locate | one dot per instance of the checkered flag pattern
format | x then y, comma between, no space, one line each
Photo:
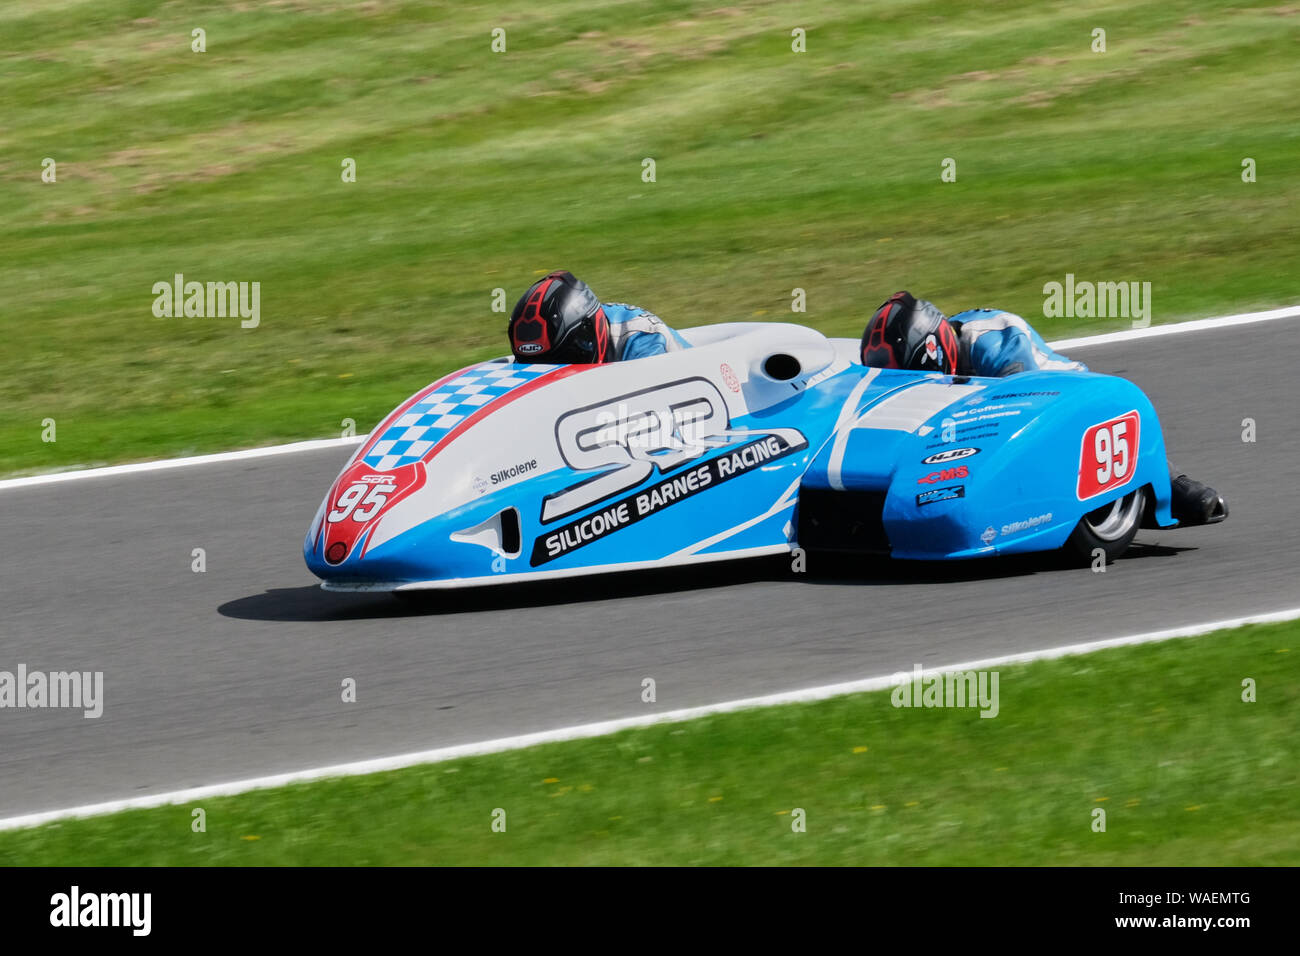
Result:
424,424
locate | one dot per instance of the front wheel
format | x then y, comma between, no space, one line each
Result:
1110,528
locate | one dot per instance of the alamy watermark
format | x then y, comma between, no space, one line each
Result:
76,908
212,300
1098,300
953,689
78,690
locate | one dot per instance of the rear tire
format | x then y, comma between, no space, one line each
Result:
1110,528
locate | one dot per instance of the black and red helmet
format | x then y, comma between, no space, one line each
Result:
559,321
907,332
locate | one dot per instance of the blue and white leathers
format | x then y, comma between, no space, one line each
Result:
637,333
995,344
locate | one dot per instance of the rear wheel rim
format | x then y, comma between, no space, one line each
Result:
1111,522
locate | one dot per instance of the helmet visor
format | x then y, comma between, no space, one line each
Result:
576,348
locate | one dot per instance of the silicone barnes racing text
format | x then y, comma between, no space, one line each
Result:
757,439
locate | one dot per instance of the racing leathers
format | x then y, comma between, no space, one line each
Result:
994,343
637,333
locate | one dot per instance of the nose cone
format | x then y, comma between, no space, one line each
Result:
481,540
338,543
421,476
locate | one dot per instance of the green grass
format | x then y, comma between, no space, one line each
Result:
478,170
1156,735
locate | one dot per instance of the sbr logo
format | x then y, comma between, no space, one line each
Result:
624,439
633,434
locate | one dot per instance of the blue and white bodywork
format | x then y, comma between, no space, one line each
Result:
760,438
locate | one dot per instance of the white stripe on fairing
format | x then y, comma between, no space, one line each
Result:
602,728
782,503
1196,325
908,409
847,411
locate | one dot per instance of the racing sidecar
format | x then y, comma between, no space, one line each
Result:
760,438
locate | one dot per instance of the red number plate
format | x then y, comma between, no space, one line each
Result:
1109,456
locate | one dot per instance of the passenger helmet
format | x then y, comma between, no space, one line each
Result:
907,332
558,321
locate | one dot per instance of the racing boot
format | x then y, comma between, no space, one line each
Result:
1194,503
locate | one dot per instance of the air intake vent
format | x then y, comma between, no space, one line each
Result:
782,367
500,533
510,531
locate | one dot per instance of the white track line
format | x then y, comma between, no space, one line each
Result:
1196,325
604,727
1176,328
166,463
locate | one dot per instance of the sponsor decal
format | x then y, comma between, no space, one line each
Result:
952,454
969,433
1017,526
514,471
528,348
621,442
664,494
988,412
947,474
1108,457
356,500
624,439
989,534
940,494
729,377
932,348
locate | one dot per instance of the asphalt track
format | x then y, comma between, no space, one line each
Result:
236,672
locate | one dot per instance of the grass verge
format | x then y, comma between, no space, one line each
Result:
1158,736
